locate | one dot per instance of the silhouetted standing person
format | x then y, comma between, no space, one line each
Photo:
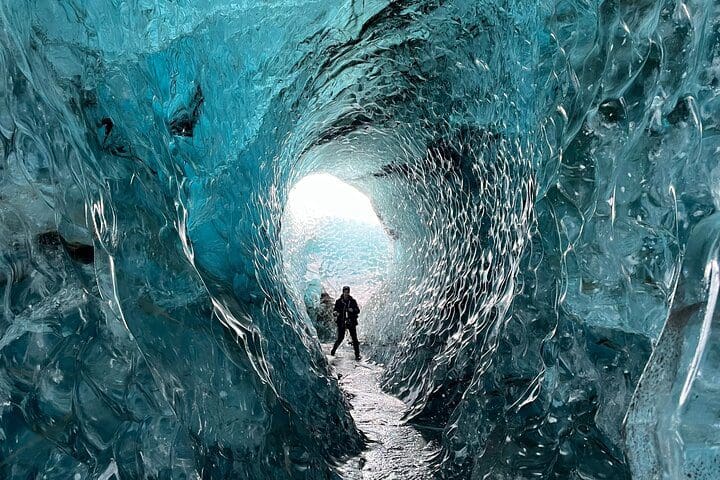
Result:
346,314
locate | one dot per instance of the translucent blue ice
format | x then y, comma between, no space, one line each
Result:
547,170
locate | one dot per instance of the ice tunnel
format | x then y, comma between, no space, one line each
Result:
547,172
331,237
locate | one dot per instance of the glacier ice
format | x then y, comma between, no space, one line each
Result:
547,171
670,425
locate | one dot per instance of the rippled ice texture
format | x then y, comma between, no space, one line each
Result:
548,171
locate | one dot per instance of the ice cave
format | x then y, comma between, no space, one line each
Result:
539,275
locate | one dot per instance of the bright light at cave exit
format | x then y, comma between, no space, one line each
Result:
322,195
325,223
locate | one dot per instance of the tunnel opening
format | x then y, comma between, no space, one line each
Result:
331,236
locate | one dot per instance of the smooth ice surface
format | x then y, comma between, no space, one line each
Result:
547,171
672,429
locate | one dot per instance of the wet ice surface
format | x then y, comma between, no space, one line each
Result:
395,450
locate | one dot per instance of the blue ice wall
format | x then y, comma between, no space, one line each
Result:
163,354
548,170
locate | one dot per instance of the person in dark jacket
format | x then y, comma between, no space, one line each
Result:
346,314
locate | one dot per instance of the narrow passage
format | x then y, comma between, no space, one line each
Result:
396,451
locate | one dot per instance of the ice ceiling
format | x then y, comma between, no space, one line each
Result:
547,170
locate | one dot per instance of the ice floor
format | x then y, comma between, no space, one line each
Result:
395,450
